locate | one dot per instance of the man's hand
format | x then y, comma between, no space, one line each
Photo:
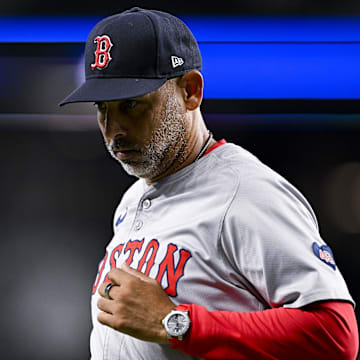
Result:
137,305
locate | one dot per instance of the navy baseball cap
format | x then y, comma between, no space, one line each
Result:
133,53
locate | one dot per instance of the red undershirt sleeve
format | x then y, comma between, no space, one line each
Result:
326,330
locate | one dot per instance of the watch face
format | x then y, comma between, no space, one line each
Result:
177,324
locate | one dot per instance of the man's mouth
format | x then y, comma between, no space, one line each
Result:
125,154
121,150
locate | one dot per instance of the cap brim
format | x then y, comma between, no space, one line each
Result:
112,89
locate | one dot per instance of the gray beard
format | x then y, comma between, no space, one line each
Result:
165,140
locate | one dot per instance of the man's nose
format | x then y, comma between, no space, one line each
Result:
114,125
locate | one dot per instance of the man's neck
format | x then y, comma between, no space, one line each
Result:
194,146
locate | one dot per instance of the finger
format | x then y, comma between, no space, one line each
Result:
105,318
112,292
105,305
125,274
131,271
117,276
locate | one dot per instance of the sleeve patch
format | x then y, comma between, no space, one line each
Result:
325,254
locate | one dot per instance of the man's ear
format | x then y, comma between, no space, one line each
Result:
192,84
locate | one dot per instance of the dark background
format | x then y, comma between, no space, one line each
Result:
59,188
258,7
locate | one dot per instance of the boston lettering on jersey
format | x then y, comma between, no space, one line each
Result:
166,268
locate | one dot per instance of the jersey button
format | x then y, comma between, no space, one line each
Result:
138,224
146,203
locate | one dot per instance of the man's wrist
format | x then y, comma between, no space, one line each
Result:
177,323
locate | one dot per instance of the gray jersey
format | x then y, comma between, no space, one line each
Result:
226,232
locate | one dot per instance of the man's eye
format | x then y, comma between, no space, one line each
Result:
100,105
129,104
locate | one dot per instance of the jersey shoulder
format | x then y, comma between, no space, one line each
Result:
246,169
259,186
241,162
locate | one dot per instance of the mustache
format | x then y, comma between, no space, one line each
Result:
119,143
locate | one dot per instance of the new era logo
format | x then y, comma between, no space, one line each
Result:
176,61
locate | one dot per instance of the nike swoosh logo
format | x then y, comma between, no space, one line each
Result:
121,219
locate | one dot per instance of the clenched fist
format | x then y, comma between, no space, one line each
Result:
137,305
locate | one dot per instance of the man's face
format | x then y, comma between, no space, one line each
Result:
146,134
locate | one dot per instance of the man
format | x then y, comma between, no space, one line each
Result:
214,255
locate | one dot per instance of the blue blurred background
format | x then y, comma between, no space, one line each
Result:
282,79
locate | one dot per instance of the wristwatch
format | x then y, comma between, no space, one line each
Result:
176,324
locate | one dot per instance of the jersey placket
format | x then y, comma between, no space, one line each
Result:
142,214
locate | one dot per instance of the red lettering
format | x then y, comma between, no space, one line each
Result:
133,246
167,267
115,254
154,246
102,52
173,273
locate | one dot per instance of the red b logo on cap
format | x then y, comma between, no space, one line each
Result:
102,52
